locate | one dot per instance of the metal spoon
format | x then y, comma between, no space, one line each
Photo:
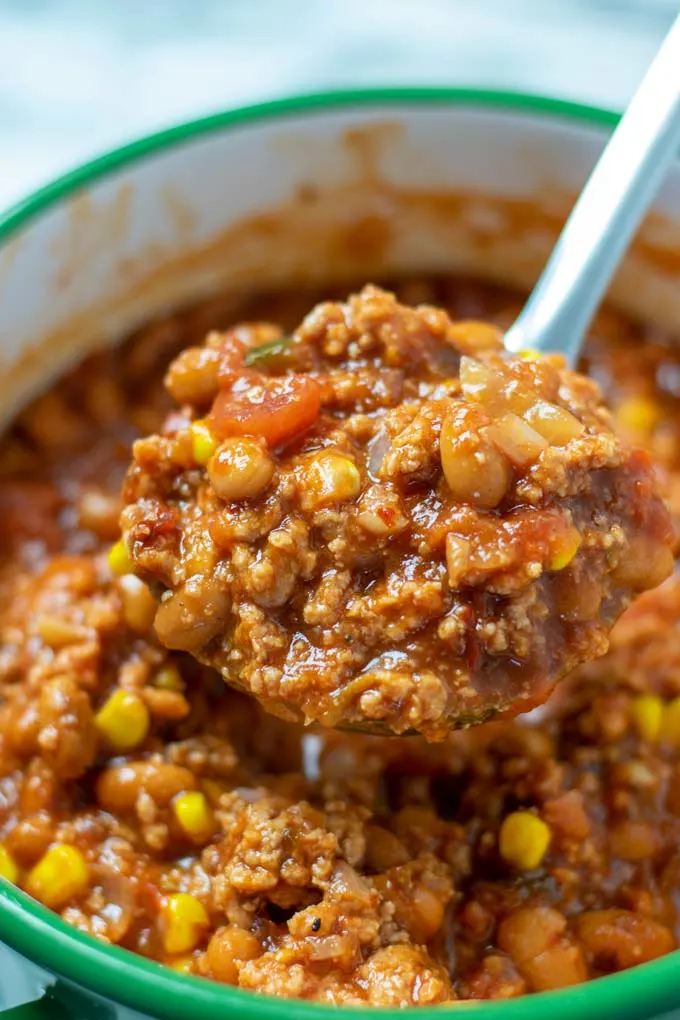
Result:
616,196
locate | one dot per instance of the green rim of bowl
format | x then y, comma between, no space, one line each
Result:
116,974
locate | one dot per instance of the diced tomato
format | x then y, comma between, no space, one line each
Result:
276,409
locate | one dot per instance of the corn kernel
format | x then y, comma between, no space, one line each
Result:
564,550
60,875
168,678
123,720
119,559
194,814
203,442
639,414
8,866
523,840
330,478
670,725
529,354
182,921
647,712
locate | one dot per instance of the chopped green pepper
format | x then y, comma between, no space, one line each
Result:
268,350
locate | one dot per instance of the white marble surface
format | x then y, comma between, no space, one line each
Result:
79,76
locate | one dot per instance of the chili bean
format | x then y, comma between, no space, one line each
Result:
31,837
619,938
99,512
67,738
240,469
644,565
193,377
119,787
193,615
381,512
53,424
139,605
227,948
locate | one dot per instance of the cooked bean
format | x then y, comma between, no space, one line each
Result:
644,565
619,938
192,615
381,512
480,382
192,378
66,737
119,787
427,913
241,468
139,605
227,948
31,837
53,424
99,512
529,931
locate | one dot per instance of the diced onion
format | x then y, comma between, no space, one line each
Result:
520,443
554,423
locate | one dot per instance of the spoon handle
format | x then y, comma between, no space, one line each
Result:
610,207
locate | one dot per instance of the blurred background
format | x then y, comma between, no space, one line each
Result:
79,76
